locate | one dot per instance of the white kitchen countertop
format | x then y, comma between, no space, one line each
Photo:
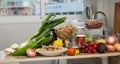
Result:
6,59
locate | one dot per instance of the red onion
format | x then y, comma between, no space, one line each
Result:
111,40
31,52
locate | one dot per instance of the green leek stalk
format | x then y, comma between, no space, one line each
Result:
42,36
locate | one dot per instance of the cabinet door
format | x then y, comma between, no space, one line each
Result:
117,18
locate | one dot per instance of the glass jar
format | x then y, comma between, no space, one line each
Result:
80,36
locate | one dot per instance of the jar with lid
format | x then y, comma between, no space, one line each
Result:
80,36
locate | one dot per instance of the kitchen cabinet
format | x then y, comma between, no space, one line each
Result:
117,18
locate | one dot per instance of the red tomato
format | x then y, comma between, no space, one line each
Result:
71,51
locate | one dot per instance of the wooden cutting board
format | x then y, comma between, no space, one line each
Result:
117,18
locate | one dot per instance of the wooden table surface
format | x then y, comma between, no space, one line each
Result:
42,58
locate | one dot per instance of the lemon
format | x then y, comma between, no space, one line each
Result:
77,51
58,43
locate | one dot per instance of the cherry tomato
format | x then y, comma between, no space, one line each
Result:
71,51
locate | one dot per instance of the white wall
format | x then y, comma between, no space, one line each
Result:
15,33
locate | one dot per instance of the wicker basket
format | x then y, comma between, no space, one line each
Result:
93,24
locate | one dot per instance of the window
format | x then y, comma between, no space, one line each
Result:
27,11
19,7
20,11
64,7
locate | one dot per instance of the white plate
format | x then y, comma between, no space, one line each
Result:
50,53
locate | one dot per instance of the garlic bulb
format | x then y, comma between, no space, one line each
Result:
15,46
8,51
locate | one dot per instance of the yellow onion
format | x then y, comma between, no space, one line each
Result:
110,48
